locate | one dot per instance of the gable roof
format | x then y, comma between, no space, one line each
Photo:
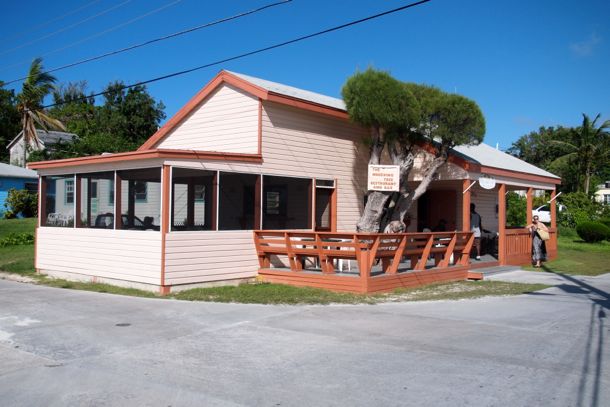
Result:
13,171
488,156
293,92
46,137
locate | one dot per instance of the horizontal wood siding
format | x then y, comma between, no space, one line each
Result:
305,144
486,201
197,257
226,121
117,254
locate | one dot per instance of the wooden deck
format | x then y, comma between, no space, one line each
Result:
382,262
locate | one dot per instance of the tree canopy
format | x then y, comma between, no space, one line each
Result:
401,115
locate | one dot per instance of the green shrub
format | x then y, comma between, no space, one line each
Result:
516,209
15,239
592,232
605,221
21,201
580,208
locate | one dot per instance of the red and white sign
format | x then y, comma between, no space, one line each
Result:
384,178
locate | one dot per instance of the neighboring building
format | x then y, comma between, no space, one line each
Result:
12,176
47,140
247,154
603,193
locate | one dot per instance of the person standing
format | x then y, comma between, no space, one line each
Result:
538,245
476,227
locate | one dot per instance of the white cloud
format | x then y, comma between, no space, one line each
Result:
586,47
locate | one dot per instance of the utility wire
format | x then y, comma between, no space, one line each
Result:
99,34
257,51
106,11
142,44
58,18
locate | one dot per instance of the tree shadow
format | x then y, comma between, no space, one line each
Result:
594,348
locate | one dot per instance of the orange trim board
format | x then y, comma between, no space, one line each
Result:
146,155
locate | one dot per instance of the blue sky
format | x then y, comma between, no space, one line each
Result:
526,63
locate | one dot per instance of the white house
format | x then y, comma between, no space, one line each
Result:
47,140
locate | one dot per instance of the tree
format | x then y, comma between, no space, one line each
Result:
376,100
36,86
589,147
538,148
9,120
401,116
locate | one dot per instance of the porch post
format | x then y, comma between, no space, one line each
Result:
165,211
502,224
465,206
553,209
77,201
529,199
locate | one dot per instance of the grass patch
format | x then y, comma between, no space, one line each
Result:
577,257
95,287
17,259
263,293
463,290
8,226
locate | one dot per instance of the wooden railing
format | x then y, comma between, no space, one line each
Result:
518,245
367,249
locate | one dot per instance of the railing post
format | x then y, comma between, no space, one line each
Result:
421,264
502,224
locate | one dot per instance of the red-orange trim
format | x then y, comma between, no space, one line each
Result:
257,91
529,200
164,219
466,205
553,210
502,224
146,155
520,175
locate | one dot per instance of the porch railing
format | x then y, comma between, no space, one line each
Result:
292,249
518,246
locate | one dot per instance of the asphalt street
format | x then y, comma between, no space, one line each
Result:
73,348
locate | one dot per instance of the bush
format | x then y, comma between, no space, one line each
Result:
21,201
592,232
580,208
516,209
605,221
14,239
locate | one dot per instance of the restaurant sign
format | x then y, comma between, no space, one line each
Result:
383,178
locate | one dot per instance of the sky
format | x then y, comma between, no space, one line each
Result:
526,63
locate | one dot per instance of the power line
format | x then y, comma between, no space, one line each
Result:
58,18
257,51
142,44
66,28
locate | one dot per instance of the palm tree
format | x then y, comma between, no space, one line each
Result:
589,147
29,104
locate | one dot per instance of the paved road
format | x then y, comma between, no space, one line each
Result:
68,348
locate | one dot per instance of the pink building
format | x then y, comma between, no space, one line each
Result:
247,154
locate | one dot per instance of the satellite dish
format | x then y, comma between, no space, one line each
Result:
487,182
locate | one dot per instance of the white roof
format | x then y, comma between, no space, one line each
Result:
491,157
13,171
482,154
293,92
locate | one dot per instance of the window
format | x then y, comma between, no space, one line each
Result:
236,201
287,203
607,199
95,212
141,190
69,192
193,199
57,204
140,199
31,187
111,193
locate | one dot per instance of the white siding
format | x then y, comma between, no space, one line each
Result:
192,257
304,144
226,121
117,254
486,201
